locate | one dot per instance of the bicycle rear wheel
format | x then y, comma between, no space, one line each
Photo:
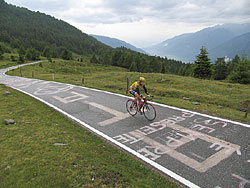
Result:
131,107
149,112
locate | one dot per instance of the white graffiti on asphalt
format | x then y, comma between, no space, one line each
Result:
48,89
26,85
178,136
73,98
208,122
118,116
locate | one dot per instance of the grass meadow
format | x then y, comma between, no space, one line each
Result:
29,157
217,98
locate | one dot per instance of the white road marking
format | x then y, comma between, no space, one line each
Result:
51,89
118,115
202,158
238,152
171,107
228,149
161,168
136,154
75,97
124,96
223,149
26,85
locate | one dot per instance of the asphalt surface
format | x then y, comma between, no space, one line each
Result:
195,149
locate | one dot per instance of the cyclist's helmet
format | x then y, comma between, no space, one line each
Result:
142,79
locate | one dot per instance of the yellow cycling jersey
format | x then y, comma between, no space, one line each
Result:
136,85
134,88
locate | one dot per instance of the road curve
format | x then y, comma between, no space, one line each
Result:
195,149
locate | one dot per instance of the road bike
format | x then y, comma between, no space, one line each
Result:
144,108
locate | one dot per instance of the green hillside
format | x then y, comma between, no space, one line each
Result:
32,33
22,27
217,98
30,157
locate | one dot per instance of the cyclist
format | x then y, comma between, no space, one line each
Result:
135,90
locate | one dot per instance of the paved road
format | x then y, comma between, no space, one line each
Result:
195,149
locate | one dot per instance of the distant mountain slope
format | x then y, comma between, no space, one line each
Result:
237,29
114,43
238,45
22,27
186,47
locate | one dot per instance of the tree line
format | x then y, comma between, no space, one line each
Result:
35,34
235,70
21,27
138,62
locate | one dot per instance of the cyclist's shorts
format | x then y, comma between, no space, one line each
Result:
132,92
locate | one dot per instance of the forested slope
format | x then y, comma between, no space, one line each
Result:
22,27
37,33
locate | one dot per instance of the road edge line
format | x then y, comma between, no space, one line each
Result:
170,107
124,96
138,155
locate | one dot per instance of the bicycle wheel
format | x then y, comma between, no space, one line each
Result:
131,107
149,112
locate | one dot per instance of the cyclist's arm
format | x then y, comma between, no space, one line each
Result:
145,89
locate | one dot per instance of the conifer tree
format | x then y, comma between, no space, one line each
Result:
47,52
94,60
133,67
21,53
220,69
66,55
106,60
32,54
202,66
241,73
1,52
232,65
116,57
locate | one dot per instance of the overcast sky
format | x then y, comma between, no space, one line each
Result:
142,22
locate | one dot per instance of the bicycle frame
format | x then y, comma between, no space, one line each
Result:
144,102
144,108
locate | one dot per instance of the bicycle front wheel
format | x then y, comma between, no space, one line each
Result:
149,112
131,107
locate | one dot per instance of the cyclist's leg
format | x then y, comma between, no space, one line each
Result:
133,93
137,96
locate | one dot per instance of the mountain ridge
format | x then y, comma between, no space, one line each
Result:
185,47
239,45
115,43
